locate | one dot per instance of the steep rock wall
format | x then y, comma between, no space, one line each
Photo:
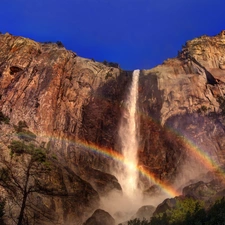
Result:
181,96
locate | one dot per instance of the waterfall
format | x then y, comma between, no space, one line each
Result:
125,206
128,133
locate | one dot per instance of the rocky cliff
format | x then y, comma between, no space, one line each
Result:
74,105
185,97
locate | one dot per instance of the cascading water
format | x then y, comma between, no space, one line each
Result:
128,133
125,206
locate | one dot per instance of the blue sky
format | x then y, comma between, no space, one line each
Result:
134,33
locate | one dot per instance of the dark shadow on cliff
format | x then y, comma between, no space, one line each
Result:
159,149
210,78
102,115
150,97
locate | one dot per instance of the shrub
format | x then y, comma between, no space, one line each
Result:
137,221
38,154
182,208
186,209
17,147
203,108
3,118
221,100
60,44
23,133
21,125
216,214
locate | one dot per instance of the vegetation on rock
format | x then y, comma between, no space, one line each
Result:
21,177
3,118
221,100
186,212
23,133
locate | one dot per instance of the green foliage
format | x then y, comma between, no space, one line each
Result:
23,133
203,108
22,174
17,147
3,118
160,219
185,210
4,174
191,212
182,208
188,212
37,153
137,221
111,64
216,214
53,156
221,100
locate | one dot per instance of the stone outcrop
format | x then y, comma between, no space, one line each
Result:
145,212
205,192
167,204
103,183
208,192
100,217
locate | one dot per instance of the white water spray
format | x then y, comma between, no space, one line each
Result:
128,134
125,206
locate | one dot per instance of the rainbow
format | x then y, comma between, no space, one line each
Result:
196,151
166,188
200,154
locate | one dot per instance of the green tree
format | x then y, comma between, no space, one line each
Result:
221,100
20,176
183,208
137,221
160,219
186,211
216,214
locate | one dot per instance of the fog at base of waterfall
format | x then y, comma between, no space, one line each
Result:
123,206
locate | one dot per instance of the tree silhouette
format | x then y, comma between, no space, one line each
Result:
20,175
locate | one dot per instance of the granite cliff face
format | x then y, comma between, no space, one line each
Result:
185,95
74,105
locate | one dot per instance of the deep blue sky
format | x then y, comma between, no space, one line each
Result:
133,33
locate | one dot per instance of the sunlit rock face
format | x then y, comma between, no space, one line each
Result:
74,106
182,96
62,97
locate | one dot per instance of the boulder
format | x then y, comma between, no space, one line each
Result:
100,217
145,212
